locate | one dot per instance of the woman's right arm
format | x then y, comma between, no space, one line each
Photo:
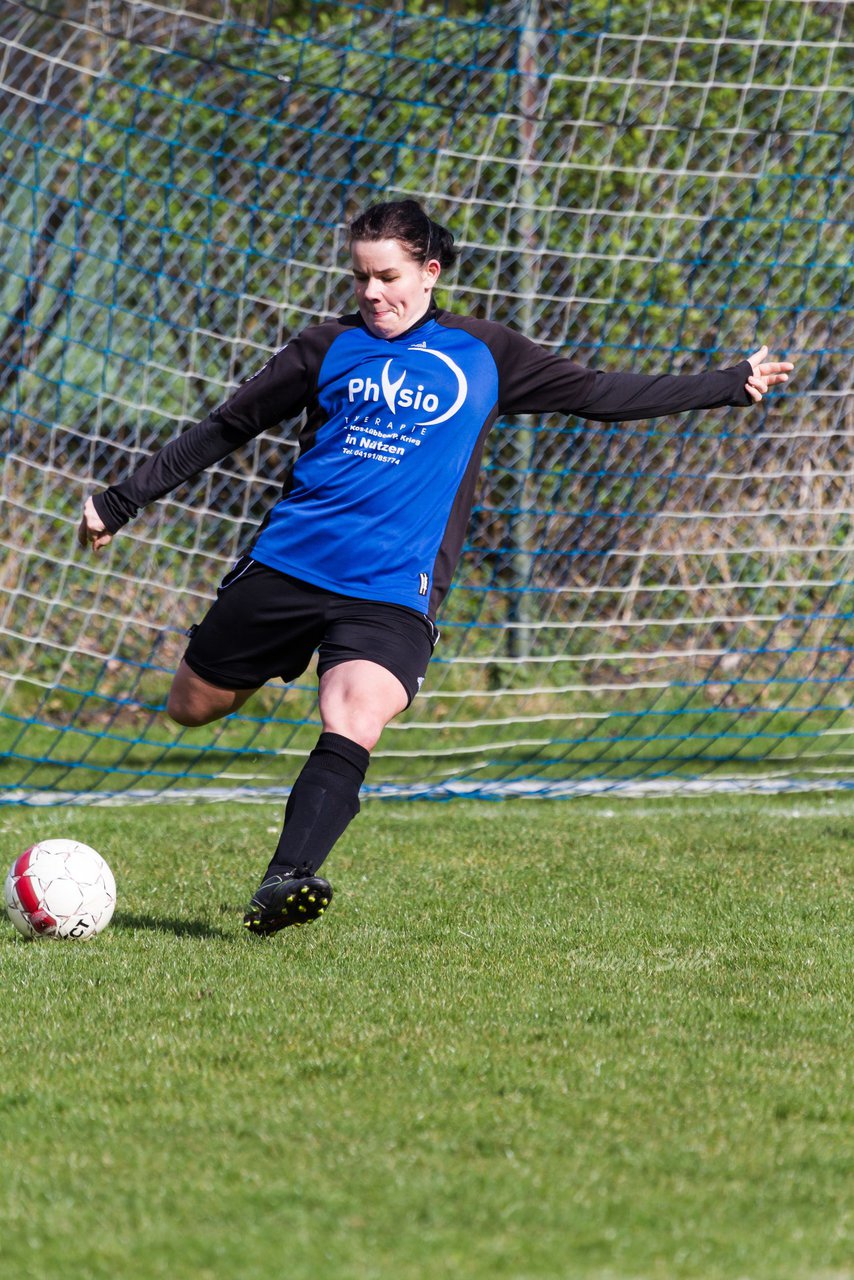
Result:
278,391
193,451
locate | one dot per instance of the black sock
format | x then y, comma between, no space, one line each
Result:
323,801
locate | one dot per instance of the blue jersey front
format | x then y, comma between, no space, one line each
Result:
370,498
379,499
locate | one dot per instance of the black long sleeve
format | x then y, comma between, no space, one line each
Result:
279,390
534,380
193,451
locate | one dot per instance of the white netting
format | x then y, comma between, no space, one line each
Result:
652,187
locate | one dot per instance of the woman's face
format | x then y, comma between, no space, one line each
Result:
392,290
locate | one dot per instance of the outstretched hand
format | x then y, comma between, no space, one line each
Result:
766,373
92,532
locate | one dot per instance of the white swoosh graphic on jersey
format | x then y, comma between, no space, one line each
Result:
390,389
462,387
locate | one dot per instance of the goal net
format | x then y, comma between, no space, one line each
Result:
645,186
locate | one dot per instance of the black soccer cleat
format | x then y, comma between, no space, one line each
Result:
285,898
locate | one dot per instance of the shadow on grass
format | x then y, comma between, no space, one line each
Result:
161,924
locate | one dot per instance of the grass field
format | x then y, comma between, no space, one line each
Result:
572,1040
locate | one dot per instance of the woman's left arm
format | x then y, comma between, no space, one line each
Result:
532,380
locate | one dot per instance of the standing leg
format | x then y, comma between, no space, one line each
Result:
357,700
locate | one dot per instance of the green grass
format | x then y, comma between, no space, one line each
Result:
529,1040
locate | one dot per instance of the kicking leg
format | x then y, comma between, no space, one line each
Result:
193,701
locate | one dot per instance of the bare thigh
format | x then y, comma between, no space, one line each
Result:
193,701
358,699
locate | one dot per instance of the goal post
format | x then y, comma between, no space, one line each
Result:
639,607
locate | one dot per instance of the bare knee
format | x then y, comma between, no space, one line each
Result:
189,717
357,700
193,702
355,724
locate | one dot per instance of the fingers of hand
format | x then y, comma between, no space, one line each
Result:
766,374
761,365
757,357
92,531
772,374
87,536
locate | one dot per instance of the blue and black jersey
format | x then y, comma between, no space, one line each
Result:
379,497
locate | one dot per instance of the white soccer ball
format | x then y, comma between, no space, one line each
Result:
60,889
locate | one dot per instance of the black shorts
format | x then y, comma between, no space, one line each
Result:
265,624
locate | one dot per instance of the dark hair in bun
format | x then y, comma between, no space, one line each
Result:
409,224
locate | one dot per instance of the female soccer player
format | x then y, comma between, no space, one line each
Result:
356,557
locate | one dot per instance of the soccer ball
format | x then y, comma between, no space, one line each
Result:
60,889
